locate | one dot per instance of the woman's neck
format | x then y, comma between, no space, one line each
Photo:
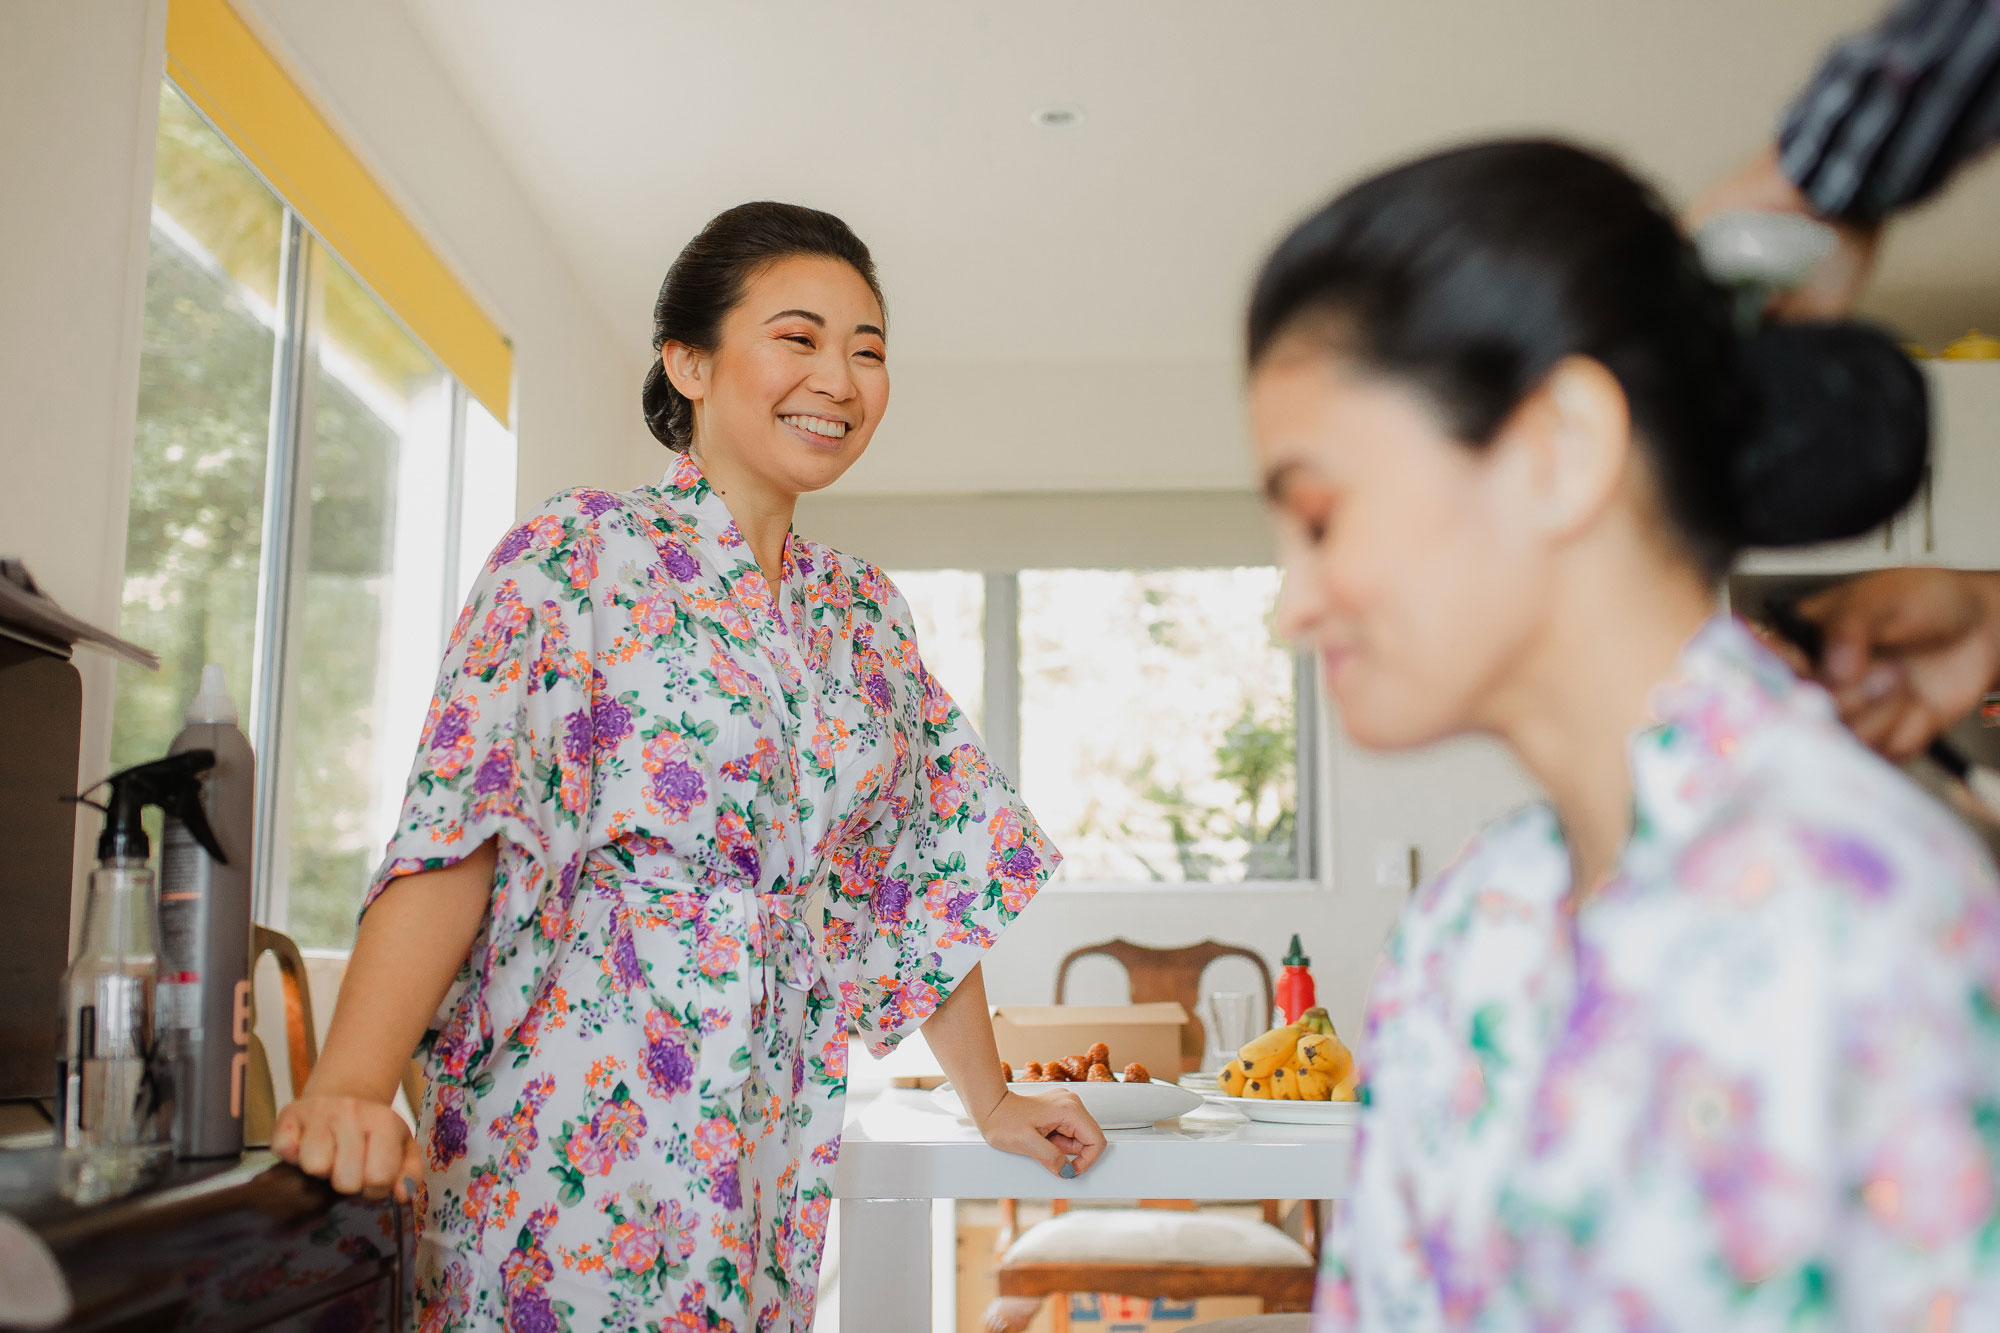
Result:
762,512
1584,686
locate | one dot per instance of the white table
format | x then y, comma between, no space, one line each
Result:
899,1152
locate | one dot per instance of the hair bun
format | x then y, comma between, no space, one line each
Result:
1838,435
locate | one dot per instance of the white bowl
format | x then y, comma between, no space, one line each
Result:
1111,1105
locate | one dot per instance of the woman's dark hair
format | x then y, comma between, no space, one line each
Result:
1471,273
708,279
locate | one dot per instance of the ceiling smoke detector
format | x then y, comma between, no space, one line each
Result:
1061,116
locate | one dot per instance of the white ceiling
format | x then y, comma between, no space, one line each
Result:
1207,128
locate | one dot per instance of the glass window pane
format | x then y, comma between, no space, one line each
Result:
195,530
949,606
486,496
1157,736
370,592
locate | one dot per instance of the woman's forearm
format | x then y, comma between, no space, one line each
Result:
960,1035
411,943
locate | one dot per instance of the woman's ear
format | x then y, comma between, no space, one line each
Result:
687,370
1575,432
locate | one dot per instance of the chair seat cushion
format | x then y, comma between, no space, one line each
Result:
1155,1236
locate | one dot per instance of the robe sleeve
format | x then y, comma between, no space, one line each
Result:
506,752
915,900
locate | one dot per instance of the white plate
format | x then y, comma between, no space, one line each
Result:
1111,1105
1290,1113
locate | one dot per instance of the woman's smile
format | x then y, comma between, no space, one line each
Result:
821,432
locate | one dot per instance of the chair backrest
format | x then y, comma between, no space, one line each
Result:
1169,974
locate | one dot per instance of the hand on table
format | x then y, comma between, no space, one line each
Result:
1761,186
359,1146
1052,1128
1908,652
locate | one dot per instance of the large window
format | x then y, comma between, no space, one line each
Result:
311,495
1154,720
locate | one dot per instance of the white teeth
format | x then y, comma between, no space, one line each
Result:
833,430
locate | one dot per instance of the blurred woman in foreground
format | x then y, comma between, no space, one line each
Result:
1711,1039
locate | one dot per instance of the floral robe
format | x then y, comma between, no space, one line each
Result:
733,825
1753,1083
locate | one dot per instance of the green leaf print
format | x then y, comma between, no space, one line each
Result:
728,1282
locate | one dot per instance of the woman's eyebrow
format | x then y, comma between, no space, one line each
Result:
870,328
802,314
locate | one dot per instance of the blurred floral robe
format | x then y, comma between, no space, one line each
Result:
1753,1083
731,826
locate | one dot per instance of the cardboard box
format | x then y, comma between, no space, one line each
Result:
1148,1033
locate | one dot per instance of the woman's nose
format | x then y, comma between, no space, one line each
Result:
833,377
1299,605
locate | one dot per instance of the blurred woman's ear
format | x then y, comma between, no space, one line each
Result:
1569,444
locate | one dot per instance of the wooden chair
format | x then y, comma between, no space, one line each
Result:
1158,975
1089,1249
260,1111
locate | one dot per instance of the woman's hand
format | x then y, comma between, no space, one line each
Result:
1908,652
359,1146
1053,1128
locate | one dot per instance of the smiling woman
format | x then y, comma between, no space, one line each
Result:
687,811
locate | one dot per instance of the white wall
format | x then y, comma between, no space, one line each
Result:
370,71
79,93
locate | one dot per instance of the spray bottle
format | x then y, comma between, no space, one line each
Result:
114,1087
206,934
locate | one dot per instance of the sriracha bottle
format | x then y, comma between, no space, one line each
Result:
1295,984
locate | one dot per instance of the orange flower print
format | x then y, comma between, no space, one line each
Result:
505,622
717,955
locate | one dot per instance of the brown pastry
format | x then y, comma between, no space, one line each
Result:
1098,1054
1076,1067
1099,1073
1032,1073
1136,1073
1054,1072
1006,1072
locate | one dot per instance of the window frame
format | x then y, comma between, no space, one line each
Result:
1001,631
287,526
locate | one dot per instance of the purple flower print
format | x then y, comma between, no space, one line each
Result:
496,772
451,726
594,503
877,689
678,786
680,566
579,737
892,899
447,1135
529,1311
1021,863
611,723
625,967
668,1069
1844,857
724,1186
512,546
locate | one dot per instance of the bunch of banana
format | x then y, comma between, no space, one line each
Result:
1299,1062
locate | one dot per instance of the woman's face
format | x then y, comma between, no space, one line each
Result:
1413,564
799,378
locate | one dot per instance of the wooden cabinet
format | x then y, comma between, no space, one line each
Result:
1955,519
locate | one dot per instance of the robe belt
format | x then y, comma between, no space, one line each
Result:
774,948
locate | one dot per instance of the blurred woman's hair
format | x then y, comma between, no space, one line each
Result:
708,280
1470,274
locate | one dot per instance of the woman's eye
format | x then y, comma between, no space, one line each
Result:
799,338
869,352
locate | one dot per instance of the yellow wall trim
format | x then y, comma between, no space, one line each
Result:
219,63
